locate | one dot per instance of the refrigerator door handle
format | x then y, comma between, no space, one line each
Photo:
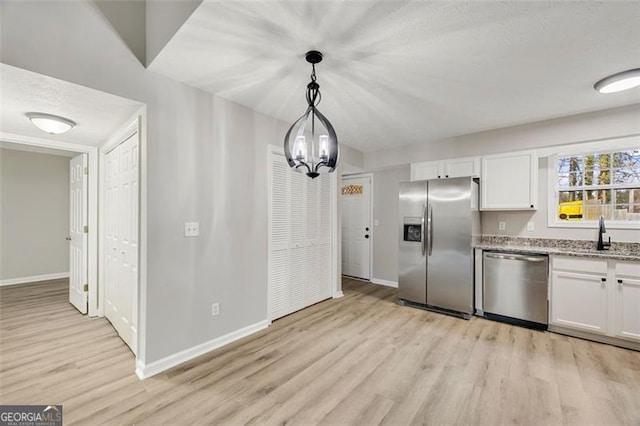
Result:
430,226
424,213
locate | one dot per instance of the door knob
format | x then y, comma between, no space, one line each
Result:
366,229
366,236
68,238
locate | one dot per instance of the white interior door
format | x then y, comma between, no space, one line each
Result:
121,239
356,227
77,234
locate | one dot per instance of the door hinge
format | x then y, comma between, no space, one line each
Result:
86,287
86,229
86,170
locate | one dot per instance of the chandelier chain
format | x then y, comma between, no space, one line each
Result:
313,89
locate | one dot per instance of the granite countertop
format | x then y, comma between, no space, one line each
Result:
579,248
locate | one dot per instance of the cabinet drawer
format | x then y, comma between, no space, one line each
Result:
628,269
577,264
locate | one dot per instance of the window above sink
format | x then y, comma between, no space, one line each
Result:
600,182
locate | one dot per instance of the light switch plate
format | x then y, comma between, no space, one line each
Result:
191,229
529,226
502,226
376,222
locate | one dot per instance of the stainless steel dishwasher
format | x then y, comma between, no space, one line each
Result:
515,288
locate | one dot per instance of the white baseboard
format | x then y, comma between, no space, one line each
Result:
33,279
144,371
338,294
385,282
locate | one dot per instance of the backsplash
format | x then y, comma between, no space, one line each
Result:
501,240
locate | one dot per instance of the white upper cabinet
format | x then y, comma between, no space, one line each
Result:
426,170
509,181
460,167
442,169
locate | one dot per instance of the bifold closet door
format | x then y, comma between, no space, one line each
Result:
121,239
299,238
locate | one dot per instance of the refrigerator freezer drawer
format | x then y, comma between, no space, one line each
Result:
515,286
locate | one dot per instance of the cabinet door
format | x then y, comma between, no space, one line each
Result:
627,311
509,181
428,170
579,301
460,167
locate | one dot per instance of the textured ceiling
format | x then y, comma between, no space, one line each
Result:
98,115
398,72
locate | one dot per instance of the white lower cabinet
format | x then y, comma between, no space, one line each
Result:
626,321
596,296
579,301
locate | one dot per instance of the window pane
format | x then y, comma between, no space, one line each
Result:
567,196
627,212
627,195
599,196
630,159
594,211
597,161
568,180
627,175
570,205
597,177
597,203
570,164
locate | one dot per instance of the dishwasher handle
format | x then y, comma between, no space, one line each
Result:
509,256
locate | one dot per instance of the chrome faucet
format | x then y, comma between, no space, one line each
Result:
602,230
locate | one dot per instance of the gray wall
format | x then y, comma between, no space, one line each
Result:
386,184
34,214
592,126
164,18
607,124
128,19
206,161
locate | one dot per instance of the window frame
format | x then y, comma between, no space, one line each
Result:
554,190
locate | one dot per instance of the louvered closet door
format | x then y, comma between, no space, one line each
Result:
299,239
324,235
279,288
298,243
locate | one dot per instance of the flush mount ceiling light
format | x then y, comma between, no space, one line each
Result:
311,142
618,82
50,123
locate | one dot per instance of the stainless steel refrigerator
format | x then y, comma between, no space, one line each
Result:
439,220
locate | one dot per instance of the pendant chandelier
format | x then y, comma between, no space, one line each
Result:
311,141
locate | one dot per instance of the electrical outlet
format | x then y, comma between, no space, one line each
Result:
529,226
191,229
215,309
502,226
376,222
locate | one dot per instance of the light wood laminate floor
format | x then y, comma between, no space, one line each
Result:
361,359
